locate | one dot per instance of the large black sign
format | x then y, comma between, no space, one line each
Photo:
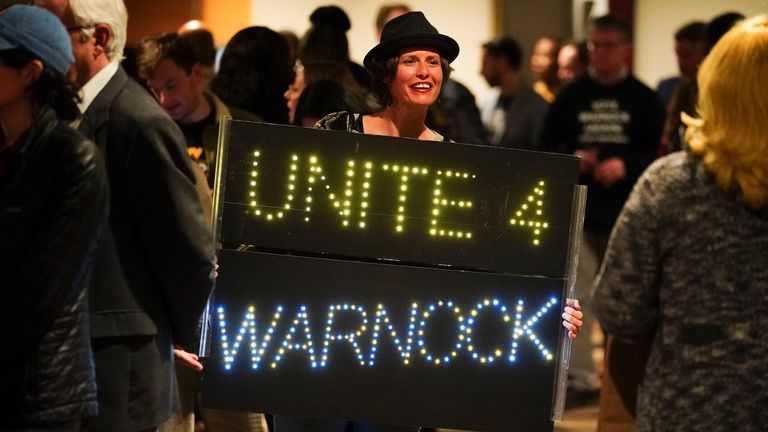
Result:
392,280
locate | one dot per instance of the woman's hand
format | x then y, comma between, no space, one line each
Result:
572,318
187,359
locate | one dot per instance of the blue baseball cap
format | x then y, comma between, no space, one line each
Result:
38,31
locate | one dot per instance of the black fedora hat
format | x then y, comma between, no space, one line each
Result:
411,30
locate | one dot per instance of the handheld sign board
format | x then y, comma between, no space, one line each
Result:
386,279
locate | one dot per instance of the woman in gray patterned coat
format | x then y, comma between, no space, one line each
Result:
687,264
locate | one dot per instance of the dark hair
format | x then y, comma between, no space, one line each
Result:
382,72
201,41
720,26
385,10
325,97
694,31
322,70
326,39
51,88
507,47
613,23
254,73
156,48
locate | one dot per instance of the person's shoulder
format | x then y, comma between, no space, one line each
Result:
579,88
667,175
533,98
635,83
135,102
339,121
223,109
668,83
76,150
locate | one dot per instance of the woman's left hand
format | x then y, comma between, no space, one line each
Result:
572,318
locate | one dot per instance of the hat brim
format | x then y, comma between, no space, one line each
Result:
445,45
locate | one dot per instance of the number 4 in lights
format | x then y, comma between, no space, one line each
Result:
528,215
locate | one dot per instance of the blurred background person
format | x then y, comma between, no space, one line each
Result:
690,49
544,67
686,94
314,71
326,40
322,98
572,62
513,114
685,270
254,72
53,192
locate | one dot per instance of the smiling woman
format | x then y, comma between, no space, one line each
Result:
408,68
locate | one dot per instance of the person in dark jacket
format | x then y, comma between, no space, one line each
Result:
155,270
53,206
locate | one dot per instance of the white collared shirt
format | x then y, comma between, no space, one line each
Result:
96,84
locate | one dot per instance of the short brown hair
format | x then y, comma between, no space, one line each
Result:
156,48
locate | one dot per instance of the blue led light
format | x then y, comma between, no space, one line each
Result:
365,338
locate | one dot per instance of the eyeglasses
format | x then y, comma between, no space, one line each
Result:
78,28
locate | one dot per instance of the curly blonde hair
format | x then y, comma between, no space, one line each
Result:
731,134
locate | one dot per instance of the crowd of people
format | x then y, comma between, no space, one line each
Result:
105,186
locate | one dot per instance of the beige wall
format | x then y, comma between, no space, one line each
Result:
657,20
469,22
225,18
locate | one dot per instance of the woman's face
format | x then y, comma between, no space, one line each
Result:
418,79
13,84
293,93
